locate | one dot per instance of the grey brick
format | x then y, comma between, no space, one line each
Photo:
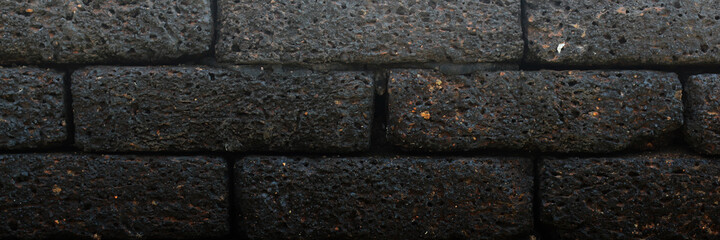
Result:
385,31
645,32
108,31
384,198
31,104
649,196
242,109
79,196
702,123
549,111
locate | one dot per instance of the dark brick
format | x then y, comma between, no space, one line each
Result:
103,31
31,108
243,109
384,198
651,196
374,32
645,32
703,106
550,111
48,196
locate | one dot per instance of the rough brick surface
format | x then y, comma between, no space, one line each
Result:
702,125
48,196
369,31
569,111
243,109
31,108
103,31
645,32
653,196
384,198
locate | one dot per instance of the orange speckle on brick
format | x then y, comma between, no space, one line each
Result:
56,190
621,10
425,114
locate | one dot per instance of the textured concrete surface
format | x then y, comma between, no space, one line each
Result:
549,111
384,198
702,123
49,196
628,33
243,109
31,108
108,31
383,31
651,196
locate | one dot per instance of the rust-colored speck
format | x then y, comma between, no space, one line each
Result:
56,190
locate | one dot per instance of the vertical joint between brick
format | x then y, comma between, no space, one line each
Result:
524,27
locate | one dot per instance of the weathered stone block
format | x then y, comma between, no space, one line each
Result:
384,198
78,196
31,108
243,109
107,31
702,123
373,32
651,196
645,32
549,111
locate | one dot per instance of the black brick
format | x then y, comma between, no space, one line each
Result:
703,106
644,32
243,109
651,196
31,108
374,32
103,31
49,196
549,111
384,198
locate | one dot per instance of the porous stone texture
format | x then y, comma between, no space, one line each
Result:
31,108
107,31
650,196
702,123
383,31
79,196
242,109
384,198
628,33
549,111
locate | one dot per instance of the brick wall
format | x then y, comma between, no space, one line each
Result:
338,119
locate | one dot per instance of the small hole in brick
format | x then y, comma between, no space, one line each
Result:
622,40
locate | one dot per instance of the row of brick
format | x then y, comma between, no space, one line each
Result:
658,195
241,109
567,32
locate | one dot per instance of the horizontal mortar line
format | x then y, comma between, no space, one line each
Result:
526,68
240,155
